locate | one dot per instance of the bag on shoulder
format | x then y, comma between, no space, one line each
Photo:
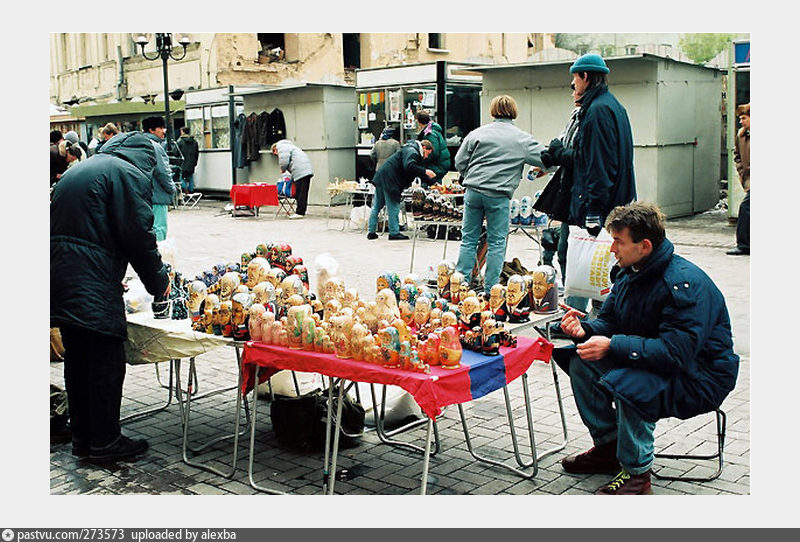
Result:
589,263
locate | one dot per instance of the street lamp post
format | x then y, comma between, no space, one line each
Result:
164,51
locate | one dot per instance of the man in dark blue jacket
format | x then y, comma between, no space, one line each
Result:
101,219
660,347
601,154
395,175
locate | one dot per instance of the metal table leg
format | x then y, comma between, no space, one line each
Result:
253,483
427,459
385,436
173,364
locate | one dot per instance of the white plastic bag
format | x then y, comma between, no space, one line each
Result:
136,298
284,384
359,217
589,262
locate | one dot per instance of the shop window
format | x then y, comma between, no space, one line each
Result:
209,126
463,113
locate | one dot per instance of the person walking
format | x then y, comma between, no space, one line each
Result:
292,159
741,157
490,161
100,221
439,160
661,347
394,176
191,152
163,186
601,156
386,146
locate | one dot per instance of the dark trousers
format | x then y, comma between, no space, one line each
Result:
743,224
94,370
301,187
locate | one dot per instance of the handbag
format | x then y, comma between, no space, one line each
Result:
555,197
589,264
286,186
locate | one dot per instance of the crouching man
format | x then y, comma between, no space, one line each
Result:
660,347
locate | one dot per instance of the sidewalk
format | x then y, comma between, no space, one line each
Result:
207,235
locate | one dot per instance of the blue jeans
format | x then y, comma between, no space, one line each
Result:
187,182
495,209
381,200
606,423
160,221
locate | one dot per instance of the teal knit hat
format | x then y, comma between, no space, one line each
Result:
589,63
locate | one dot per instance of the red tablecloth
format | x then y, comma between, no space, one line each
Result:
254,194
477,375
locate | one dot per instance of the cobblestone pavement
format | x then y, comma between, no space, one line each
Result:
207,235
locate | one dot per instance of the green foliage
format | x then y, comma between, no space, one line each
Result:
701,48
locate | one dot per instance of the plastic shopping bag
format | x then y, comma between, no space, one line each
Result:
589,262
359,216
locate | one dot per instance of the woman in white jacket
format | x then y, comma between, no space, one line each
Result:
292,159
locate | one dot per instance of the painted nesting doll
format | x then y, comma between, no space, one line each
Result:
544,290
497,302
517,299
197,294
449,348
443,272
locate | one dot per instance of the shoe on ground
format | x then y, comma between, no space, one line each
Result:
403,227
122,448
80,448
600,459
738,251
295,216
625,483
372,235
398,237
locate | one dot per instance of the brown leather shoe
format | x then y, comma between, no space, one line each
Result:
600,459
625,483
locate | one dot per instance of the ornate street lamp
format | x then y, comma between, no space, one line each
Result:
164,51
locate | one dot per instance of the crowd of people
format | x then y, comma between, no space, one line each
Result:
659,346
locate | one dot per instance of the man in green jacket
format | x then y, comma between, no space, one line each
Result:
439,160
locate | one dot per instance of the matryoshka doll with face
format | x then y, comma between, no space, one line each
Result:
359,332
406,313
455,287
517,300
470,314
267,327
408,292
525,211
386,305
263,250
390,346
422,311
255,320
342,329
443,272
302,272
257,271
229,282
197,294
291,285
449,348
544,291
497,302
490,343
225,313
275,276
240,310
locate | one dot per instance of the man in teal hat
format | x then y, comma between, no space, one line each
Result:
600,154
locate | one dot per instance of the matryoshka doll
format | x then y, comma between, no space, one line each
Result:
517,299
417,202
470,314
333,289
449,318
449,348
386,305
225,310
443,272
309,329
455,287
292,262
275,276
406,313
390,346
291,285
544,291
332,308
267,327
490,343
342,329
257,271
525,211
408,292
279,254
422,311
359,333
255,321
351,299
497,302
208,319
514,211
432,354
240,310
302,272
405,355
263,250
228,284
197,294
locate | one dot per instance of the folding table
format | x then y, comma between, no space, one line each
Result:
152,340
254,196
477,376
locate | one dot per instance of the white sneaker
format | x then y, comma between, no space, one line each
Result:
294,216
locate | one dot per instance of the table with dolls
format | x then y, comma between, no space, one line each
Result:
444,347
437,209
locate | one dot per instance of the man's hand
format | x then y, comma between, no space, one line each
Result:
430,174
571,325
595,348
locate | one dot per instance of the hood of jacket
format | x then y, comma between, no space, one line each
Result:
135,148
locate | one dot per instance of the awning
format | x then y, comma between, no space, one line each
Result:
126,108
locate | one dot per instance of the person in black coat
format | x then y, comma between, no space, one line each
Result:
101,219
190,151
394,176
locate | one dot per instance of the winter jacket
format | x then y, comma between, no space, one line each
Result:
439,159
399,170
491,158
382,150
292,159
277,126
100,220
250,138
670,338
163,187
58,164
603,164
741,156
190,151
